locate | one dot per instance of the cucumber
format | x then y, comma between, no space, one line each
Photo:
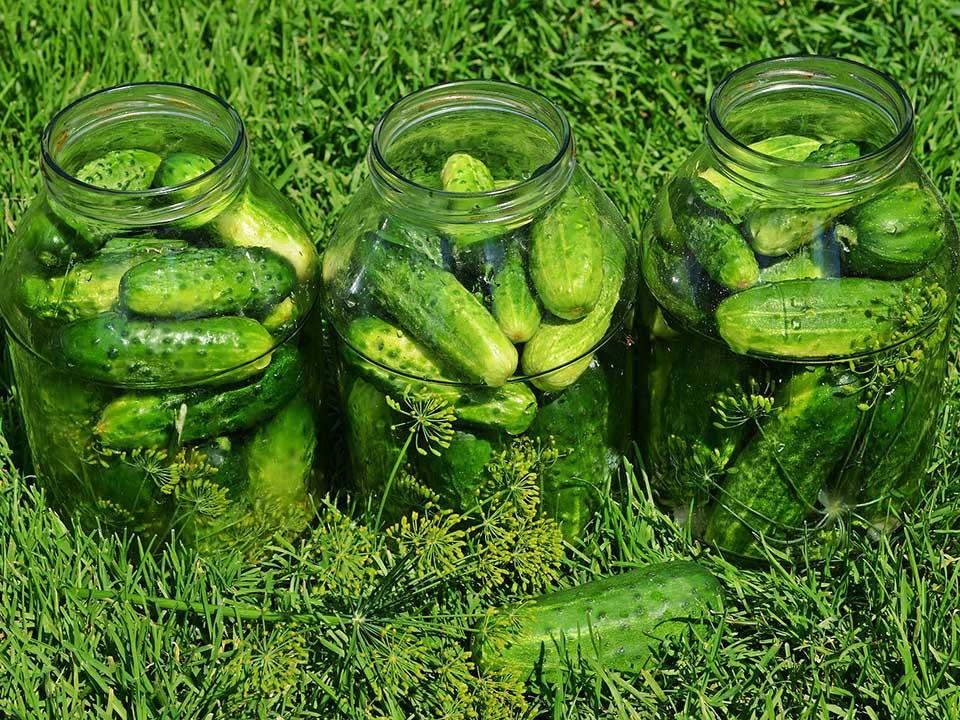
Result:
714,240
896,234
666,230
431,304
800,266
283,318
459,473
463,173
576,422
513,305
149,245
374,444
180,168
566,257
228,458
87,289
667,277
396,363
813,319
615,620
280,455
208,281
566,348
150,420
51,240
112,349
125,170
775,481
833,153
260,218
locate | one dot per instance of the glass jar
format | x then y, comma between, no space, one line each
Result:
479,284
803,273
153,295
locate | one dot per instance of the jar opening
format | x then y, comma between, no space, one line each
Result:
517,132
164,118
822,98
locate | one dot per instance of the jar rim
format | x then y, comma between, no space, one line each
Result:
47,140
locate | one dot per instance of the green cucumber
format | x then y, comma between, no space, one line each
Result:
51,240
513,305
373,442
614,620
566,257
147,244
800,266
896,234
460,472
151,420
396,363
577,424
283,318
124,170
566,348
180,168
665,229
833,153
431,304
775,481
208,281
813,319
228,458
463,173
281,453
714,240
87,289
112,349
261,217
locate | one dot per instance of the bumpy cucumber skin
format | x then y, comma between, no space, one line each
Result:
208,281
834,152
128,170
811,319
112,349
459,473
149,420
463,173
513,305
576,422
280,456
774,483
559,345
896,234
615,620
373,443
180,168
86,290
397,364
258,219
714,240
800,266
566,257
431,304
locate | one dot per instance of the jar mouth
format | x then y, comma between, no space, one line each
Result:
880,111
543,184
102,114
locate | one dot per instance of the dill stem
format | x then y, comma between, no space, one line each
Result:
393,473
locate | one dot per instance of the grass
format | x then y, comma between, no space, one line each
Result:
875,633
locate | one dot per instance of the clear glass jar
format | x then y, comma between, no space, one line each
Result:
479,284
153,295
802,270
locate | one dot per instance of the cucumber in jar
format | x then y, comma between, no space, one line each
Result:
280,455
511,302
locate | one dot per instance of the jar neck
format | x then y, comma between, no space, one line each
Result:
160,117
823,98
458,107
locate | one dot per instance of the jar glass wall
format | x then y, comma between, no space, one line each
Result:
153,296
802,277
480,285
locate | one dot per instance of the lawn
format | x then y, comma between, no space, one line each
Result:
872,631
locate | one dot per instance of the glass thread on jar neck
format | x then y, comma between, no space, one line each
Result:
131,117
514,204
746,101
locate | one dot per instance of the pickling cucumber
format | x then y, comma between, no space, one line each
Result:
463,173
800,266
896,234
460,472
566,348
395,362
126,170
280,455
371,438
112,349
181,167
513,305
774,482
431,304
87,289
53,242
154,420
714,240
208,281
149,245
832,153
566,257
813,319
614,620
